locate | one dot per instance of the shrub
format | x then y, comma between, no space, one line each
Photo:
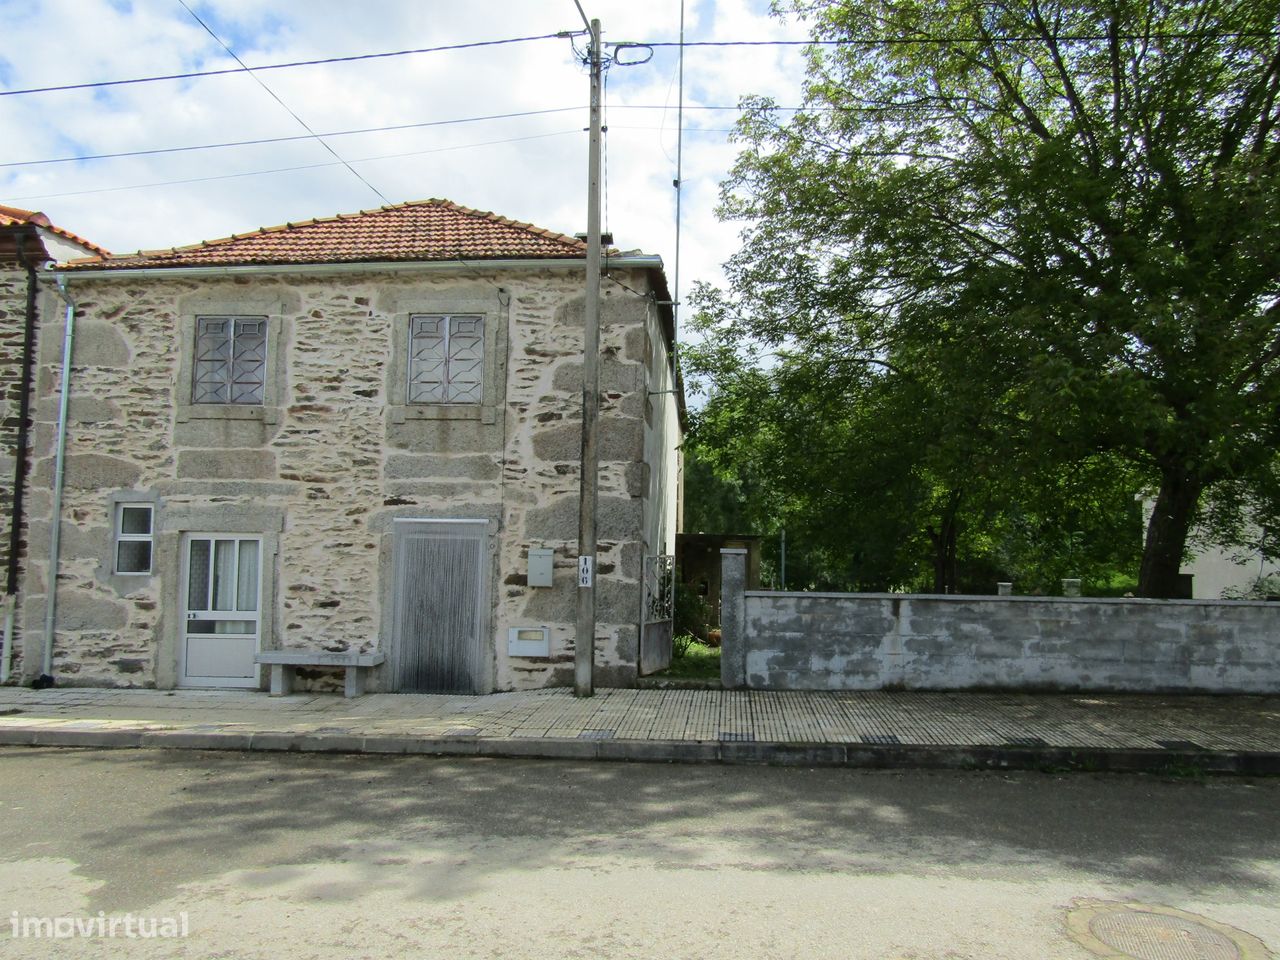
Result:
692,613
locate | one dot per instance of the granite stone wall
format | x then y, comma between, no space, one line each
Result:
13,315
332,458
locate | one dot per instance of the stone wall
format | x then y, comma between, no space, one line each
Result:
332,459
13,309
798,641
13,315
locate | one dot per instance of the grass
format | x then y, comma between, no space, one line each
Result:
699,662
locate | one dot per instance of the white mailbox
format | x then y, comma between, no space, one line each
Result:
541,560
529,642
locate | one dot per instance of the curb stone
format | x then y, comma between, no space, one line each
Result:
861,756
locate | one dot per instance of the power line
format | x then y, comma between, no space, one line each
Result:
277,66
997,38
815,108
262,140
606,275
305,126
305,166
878,41
679,184
604,140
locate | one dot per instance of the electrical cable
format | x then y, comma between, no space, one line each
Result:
604,142
884,41
944,41
675,293
440,123
258,80
624,286
277,66
288,139
305,166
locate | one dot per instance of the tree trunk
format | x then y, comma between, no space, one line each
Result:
939,541
951,554
1167,532
944,547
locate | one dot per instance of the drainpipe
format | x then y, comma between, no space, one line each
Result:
55,536
6,655
20,462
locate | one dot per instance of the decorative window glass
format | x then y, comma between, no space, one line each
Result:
133,537
446,359
231,360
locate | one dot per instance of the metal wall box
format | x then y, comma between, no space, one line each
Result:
541,560
529,642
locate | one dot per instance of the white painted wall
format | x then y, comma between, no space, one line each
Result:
62,249
1218,571
662,440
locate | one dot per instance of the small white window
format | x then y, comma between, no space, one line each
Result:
133,538
231,360
446,359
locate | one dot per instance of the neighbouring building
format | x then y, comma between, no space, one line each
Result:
28,240
1219,572
1216,572
357,433
698,566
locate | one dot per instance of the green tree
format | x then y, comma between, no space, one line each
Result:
890,481
1074,205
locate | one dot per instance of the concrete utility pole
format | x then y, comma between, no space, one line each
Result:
585,642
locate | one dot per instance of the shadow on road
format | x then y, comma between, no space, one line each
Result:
140,823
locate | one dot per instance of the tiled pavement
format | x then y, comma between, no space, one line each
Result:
1094,731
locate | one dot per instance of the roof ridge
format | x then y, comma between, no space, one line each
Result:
39,219
18,213
427,230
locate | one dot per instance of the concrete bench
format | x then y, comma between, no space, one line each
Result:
284,662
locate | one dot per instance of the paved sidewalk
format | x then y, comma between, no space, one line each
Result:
1233,734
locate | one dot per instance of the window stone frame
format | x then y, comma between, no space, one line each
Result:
275,386
495,348
126,583
244,519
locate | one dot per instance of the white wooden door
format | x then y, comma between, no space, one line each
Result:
221,617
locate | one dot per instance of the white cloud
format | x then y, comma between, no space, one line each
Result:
541,180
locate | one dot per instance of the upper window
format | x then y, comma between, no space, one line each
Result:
133,537
231,360
446,359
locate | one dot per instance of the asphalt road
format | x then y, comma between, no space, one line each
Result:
305,856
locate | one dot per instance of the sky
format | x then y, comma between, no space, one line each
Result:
530,168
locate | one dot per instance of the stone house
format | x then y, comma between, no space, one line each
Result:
28,240
357,433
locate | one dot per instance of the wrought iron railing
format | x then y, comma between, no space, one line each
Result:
659,587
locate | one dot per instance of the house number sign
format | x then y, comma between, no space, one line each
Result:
584,571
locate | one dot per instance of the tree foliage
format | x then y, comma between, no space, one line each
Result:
883,483
1008,242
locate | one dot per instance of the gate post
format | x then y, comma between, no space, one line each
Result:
733,617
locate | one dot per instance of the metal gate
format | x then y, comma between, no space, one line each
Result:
656,619
440,605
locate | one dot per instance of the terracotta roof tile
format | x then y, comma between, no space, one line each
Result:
14,216
422,230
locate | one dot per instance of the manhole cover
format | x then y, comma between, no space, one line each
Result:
1150,936
1134,931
